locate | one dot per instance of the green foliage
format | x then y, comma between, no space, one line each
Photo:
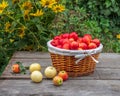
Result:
103,21
26,25
4,57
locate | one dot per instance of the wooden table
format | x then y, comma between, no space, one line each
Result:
105,81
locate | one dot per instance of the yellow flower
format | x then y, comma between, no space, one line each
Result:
7,26
48,3
12,40
27,5
57,0
15,1
3,5
58,8
26,14
1,39
21,33
28,48
38,13
118,36
1,11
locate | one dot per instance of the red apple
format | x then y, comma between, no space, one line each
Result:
80,49
59,46
74,45
88,35
63,74
57,80
73,35
61,41
65,41
54,42
66,46
86,40
92,46
83,46
71,40
79,40
96,41
66,35
57,37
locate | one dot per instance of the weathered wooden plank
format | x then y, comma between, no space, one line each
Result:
106,59
27,62
28,54
8,74
103,62
109,60
93,76
69,88
31,54
100,72
108,74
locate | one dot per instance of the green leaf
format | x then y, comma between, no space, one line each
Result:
108,3
22,68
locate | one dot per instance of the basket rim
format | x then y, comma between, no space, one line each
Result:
53,49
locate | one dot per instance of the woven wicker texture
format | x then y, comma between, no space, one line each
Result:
67,63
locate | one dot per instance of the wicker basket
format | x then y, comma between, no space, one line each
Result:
75,62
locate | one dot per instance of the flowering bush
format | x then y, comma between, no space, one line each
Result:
28,23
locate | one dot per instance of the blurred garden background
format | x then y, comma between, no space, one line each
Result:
27,25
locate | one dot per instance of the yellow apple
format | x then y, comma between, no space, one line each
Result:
50,72
34,67
36,76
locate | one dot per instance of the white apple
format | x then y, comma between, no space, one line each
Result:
34,67
50,72
36,76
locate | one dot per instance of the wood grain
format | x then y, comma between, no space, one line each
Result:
69,88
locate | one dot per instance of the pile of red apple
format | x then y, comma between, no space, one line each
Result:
71,41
